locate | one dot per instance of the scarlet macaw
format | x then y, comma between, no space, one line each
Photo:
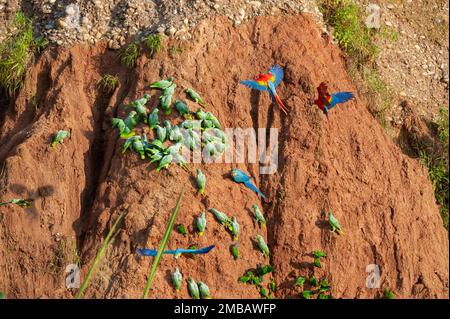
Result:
325,101
268,82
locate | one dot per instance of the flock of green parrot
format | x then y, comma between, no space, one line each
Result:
192,133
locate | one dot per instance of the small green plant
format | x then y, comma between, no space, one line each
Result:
108,82
130,54
389,294
153,43
349,29
40,43
101,252
162,246
436,162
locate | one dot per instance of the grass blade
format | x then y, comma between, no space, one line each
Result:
162,246
100,255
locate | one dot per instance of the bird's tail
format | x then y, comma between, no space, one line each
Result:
276,99
254,188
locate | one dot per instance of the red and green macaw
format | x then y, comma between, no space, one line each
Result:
326,101
268,82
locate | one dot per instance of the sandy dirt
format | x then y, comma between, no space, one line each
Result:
383,198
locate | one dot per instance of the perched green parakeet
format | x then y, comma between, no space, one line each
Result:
221,217
201,224
59,137
153,119
177,279
183,109
124,130
163,84
165,162
139,106
259,216
204,290
193,289
334,224
195,97
130,120
200,114
161,133
234,251
201,181
262,245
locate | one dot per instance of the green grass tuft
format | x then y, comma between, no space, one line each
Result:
130,54
108,82
153,43
15,53
437,164
162,246
350,30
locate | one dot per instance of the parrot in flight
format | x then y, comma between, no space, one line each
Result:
240,177
153,252
268,82
326,101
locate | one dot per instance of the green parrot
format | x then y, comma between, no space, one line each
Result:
259,216
59,137
130,120
200,114
262,245
201,181
138,147
334,224
139,106
193,289
124,130
163,84
183,109
177,279
165,162
234,228
201,224
153,119
235,251
204,290
195,97
221,217
161,133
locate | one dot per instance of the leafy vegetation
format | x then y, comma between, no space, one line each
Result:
162,246
15,53
389,294
130,54
437,164
153,43
108,82
101,252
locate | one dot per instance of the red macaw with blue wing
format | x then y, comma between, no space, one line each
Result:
268,82
327,101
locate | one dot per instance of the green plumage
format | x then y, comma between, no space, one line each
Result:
258,215
262,245
201,224
59,137
193,289
177,279
201,181
195,97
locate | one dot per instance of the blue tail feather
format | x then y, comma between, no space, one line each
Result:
254,188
